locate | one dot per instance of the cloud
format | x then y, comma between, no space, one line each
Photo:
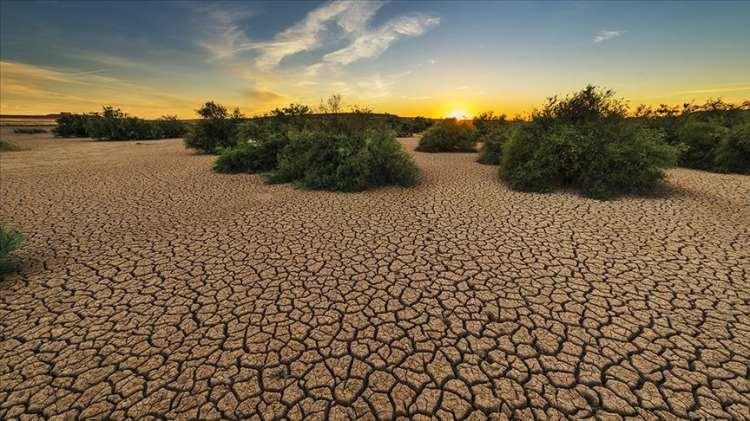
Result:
718,89
371,44
604,35
416,98
33,89
351,18
260,95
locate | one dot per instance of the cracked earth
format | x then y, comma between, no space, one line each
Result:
152,287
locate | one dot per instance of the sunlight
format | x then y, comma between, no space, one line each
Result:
459,114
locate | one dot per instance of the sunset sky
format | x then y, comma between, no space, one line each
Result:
407,58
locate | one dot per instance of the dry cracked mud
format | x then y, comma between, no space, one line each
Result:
152,287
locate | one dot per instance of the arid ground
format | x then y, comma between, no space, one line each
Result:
150,286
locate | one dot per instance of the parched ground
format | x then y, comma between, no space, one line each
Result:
153,287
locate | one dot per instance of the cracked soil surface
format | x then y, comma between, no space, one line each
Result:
152,287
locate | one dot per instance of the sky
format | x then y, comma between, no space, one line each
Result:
409,58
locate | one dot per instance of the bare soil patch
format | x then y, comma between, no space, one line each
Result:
152,286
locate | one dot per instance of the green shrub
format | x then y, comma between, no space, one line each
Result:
10,240
113,124
448,136
492,144
215,130
585,142
487,122
250,157
8,146
29,130
169,127
733,152
326,160
701,139
72,125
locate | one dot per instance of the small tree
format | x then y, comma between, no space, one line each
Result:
215,130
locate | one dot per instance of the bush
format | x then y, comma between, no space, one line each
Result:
250,157
169,127
8,146
585,142
72,125
216,129
733,152
10,240
448,136
29,130
113,124
325,160
492,145
701,139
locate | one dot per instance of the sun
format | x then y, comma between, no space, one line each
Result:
458,114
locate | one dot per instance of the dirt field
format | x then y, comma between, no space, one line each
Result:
153,287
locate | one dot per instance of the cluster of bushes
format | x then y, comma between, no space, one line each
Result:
449,135
333,151
113,124
407,127
72,125
586,142
713,136
29,130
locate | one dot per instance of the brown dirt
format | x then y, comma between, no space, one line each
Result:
153,287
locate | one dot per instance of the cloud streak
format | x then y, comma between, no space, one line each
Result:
370,44
605,35
352,24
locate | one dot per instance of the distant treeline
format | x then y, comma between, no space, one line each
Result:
113,124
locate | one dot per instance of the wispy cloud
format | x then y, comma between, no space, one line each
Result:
605,35
717,89
378,86
29,88
370,44
352,24
261,95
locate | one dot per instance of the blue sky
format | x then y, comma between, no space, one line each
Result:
431,58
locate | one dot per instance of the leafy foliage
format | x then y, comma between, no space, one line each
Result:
217,129
72,125
8,146
29,130
326,160
169,127
584,141
10,240
701,131
733,152
448,136
113,124
250,157
407,127
492,145
329,151
701,139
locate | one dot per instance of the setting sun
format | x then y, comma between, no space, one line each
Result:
459,114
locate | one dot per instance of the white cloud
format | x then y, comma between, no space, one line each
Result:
351,17
373,43
604,35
